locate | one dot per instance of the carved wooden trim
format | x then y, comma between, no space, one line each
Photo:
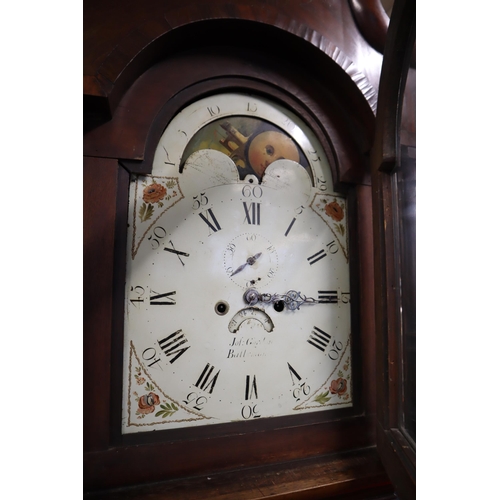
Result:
152,41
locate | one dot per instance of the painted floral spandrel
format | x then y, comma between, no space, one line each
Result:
147,403
338,387
154,194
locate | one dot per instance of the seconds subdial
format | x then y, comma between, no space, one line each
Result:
250,259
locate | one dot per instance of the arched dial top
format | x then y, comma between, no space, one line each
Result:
237,289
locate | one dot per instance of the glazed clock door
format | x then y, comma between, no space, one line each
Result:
237,303
394,194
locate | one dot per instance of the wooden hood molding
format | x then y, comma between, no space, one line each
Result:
159,37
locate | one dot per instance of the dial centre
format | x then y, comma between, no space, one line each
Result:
250,258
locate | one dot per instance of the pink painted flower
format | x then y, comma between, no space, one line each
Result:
154,193
147,403
334,210
338,386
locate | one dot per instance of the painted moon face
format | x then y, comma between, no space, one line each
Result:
270,146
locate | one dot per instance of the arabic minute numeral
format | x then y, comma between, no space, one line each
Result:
159,233
168,162
334,352
333,247
152,360
196,401
250,411
299,389
302,391
252,191
321,183
200,200
139,291
315,156
213,110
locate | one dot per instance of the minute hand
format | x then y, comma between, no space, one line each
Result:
292,299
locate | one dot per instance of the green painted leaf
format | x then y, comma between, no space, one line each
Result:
322,398
340,228
145,212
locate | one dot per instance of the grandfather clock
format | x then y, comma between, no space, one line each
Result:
232,262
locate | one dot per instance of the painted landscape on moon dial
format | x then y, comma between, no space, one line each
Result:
252,143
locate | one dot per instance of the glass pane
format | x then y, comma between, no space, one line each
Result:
407,206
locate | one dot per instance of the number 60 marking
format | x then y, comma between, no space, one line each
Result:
255,191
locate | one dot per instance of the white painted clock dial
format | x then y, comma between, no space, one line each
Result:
205,228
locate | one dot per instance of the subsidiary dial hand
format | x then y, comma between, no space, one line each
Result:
291,300
250,262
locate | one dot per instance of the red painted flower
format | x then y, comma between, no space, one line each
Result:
147,403
334,210
154,193
338,386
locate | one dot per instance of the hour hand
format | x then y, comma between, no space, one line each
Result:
250,262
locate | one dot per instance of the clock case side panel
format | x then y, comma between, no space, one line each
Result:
105,207
158,456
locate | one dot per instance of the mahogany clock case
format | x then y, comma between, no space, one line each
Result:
341,118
